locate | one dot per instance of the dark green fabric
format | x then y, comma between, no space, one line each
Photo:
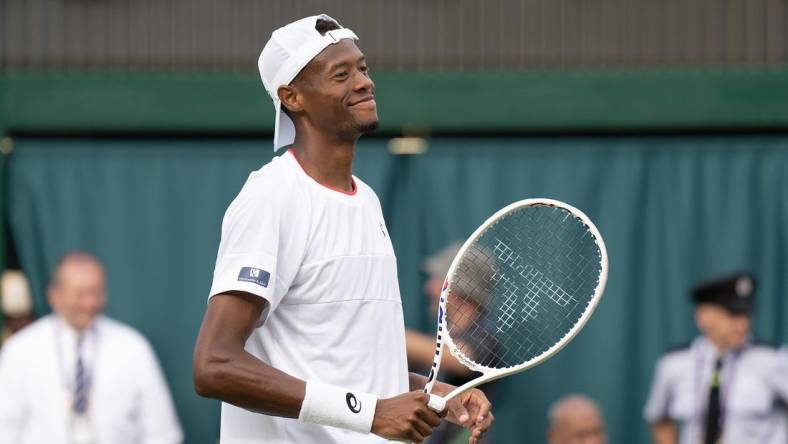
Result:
672,210
487,102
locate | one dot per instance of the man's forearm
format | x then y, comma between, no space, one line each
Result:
421,351
417,382
245,381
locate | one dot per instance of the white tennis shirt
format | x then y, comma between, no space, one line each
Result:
323,260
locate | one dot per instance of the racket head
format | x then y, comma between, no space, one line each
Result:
508,307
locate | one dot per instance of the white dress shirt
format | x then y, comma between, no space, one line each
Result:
754,393
128,399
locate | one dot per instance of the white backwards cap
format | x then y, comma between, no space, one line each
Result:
287,52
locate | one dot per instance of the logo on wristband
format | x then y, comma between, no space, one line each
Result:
353,404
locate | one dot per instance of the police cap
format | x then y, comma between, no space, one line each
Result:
736,293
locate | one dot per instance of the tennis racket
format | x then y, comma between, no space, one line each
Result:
520,288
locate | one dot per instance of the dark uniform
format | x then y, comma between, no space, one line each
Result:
741,394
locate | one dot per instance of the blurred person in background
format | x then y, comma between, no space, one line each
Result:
421,347
575,419
16,303
76,376
723,387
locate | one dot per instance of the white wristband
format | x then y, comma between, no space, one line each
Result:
327,404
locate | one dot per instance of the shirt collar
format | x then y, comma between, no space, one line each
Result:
709,350
71,335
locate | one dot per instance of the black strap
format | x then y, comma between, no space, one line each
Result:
713,412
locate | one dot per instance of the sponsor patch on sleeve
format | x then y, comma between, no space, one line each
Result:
255,276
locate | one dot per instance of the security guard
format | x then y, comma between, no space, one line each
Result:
722,388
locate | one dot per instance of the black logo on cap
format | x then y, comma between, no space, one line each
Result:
353,404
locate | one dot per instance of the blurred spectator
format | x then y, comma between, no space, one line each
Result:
575,419
76,376
722,388
16,303
421,347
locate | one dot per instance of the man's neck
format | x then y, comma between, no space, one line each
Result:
721,349
329,163
71,328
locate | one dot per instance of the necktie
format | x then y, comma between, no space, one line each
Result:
80,405
713,412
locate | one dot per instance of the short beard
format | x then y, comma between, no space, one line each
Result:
354,130
368,127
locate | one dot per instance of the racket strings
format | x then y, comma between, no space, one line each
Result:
522,285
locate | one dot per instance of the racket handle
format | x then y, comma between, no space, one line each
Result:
436,403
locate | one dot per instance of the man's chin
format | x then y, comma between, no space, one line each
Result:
368,127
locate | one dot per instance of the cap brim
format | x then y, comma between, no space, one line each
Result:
740,309
732,308
284,130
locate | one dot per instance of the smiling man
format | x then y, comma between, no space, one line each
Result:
303,337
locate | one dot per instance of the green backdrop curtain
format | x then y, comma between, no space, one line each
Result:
2,218
672,210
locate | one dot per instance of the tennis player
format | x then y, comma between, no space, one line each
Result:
303,337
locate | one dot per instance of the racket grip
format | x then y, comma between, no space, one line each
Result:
436,403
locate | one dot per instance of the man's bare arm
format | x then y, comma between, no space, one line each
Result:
417,382
421,351
664,432
223,370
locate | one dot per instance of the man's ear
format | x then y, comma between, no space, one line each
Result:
701,318
290,98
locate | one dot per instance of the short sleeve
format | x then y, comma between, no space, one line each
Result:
656,408
261,245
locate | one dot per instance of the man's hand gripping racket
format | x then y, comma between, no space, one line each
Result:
520,288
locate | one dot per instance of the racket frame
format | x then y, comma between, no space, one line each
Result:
491,374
